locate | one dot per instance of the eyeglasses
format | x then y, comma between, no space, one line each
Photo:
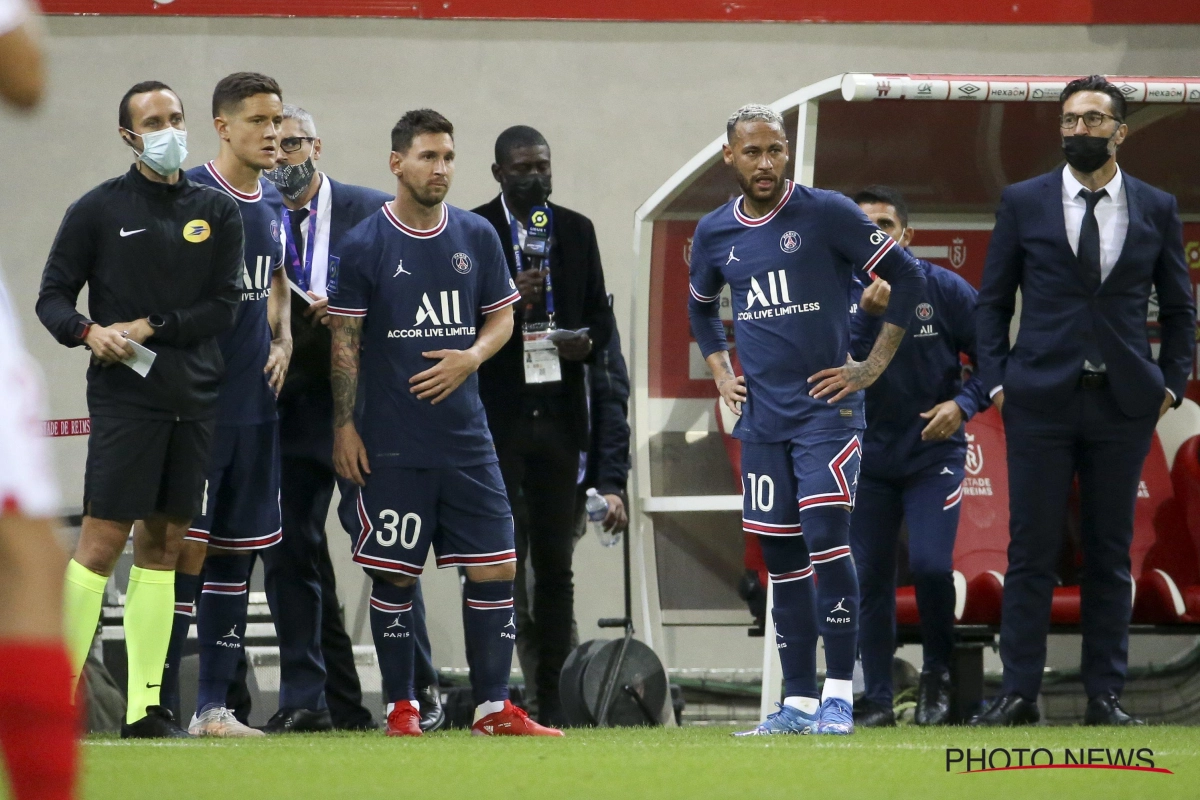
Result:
293,143
1092,119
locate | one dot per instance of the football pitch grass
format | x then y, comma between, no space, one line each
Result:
692,763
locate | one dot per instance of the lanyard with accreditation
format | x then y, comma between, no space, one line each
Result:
303,277
542,364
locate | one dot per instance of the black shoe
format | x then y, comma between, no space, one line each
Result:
433,716
1106,710
158,723
933,698
550,712
1007,710
298,720
873,715
362,722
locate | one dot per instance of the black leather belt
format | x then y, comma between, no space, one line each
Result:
1093,380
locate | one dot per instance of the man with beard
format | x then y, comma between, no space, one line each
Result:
535,390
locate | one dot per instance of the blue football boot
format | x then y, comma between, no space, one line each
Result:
835,717
785,720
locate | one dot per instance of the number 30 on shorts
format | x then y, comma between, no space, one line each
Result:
406,529
762,492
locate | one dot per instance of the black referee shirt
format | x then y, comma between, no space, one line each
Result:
145,248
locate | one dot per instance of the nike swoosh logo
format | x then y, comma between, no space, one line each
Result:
125,233
153,685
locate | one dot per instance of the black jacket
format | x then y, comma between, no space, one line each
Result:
608,456
580,301
146,248
306,401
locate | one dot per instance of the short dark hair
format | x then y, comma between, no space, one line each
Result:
1095,83
123,117
515,137
885,195
233,89
416,122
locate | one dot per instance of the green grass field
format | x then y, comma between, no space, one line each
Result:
686,763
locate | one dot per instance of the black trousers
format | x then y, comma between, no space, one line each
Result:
1091,438
539,459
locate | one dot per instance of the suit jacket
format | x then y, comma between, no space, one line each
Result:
1064,310
306,401
580,301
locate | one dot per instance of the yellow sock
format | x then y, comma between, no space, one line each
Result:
149,613
83,593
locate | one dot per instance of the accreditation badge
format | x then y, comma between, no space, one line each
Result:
542,364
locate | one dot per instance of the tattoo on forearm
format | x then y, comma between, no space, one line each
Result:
881,353
347,334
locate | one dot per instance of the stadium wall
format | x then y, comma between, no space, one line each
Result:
623,105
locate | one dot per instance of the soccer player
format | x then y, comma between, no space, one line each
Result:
423,287
913,456
239,513
789,253
161,257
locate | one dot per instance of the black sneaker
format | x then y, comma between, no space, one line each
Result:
159,723
299,720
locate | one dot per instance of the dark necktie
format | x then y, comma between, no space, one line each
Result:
297,218
1089,234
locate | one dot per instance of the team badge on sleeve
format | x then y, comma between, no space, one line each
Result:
331,279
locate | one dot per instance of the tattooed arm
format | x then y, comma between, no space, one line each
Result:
349,454
857,375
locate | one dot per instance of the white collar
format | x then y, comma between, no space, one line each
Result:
508,217
1072,187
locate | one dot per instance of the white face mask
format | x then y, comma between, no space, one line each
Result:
163,151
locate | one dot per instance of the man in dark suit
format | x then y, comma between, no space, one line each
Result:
319,685
536,399
1079,391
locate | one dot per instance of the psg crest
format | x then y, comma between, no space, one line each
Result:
924,312
461,262
974,463
789,242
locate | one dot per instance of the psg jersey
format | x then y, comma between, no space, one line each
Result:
418,292
790,273
246,397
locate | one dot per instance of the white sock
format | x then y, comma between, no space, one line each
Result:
414,704
487,707
805,705
842,690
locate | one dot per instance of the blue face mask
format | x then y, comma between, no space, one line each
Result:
163,151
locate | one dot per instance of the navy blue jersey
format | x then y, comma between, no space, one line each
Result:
419,291
790,273
925,371
246,398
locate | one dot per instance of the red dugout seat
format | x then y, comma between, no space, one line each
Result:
1169,588
981,548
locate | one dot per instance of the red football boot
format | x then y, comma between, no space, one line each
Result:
510,721
404,720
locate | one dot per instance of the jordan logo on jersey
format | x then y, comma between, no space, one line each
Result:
732,257
774,301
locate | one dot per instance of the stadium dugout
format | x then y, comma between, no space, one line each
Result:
950,143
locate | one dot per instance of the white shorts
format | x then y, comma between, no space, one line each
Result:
27,483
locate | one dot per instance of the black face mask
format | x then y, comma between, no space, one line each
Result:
527,191
292,180
1086,153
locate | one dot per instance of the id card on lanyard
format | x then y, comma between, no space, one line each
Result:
301,268
542,363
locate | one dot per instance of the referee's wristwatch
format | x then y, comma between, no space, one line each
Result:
83,326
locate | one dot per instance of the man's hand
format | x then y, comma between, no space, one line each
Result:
577,348
875,298
442,378
855,375
615,520
733,392
944,420
531,283
349,455
318,312
1168,401
109,345
998,401
277,362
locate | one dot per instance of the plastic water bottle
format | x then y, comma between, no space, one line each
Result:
597,510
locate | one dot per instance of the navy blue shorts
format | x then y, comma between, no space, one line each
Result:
239,509
463,512
782,479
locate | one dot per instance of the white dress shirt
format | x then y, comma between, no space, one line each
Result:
1112,215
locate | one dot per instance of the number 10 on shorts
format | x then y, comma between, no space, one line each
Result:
395,528
762,491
